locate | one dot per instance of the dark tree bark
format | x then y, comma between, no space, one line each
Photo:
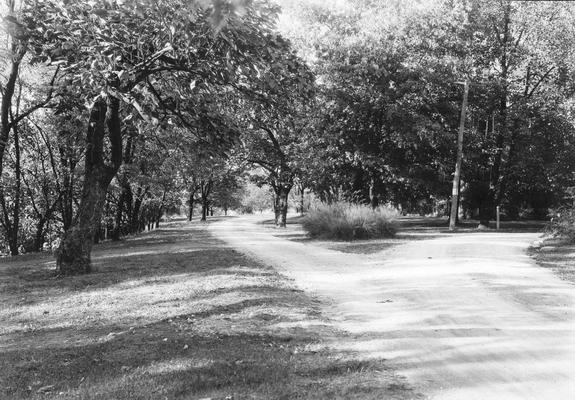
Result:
204,212
205,191
160,209
11,223
125,199
7,98
7,125
281,204
74,254
135,220
40,234
194,187
69,157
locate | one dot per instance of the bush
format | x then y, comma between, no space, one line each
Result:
347,221
563,224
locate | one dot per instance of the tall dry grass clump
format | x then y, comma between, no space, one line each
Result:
348,221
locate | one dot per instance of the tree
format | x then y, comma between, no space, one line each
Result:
117,54
510,53
390,99
15,107
256,198
275,121
227,192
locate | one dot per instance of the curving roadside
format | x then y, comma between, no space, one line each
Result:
465,316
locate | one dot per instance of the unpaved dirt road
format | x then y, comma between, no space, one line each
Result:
465,316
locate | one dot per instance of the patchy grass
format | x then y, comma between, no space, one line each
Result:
558,255
172,314
408,229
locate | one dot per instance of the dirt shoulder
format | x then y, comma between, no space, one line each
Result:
464,316
173,314
557,255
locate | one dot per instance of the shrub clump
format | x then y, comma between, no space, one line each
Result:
563,224
347,221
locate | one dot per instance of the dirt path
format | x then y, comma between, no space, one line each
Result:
465,316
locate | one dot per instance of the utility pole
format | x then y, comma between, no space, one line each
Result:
457,174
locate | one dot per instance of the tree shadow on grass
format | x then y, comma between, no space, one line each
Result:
182,357
160,254
194,319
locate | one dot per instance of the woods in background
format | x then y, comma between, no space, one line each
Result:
114,114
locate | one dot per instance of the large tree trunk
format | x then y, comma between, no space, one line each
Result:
74,254
40,234
206,190
11,212
6,125
135,220
75,250
281,204
13,239
69,158
7,97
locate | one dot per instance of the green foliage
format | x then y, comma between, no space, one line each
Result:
348,221
366,109
563,224
256,198
227,192
390,100
385,120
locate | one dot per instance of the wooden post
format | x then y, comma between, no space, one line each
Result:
497,213
457,174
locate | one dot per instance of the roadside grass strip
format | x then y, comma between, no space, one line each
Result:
172,314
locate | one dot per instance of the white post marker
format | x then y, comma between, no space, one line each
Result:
497,213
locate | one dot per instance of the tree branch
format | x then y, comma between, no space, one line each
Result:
39,105
540,81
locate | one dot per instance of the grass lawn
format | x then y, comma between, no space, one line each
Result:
172,314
